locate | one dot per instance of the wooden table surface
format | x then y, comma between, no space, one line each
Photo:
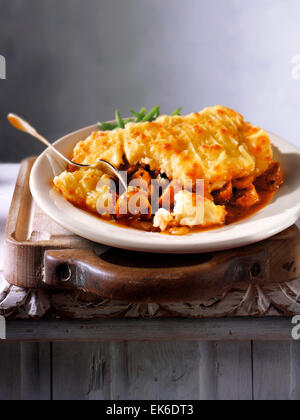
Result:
137,359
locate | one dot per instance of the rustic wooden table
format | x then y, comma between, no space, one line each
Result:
145,359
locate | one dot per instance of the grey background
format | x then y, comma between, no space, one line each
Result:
70,63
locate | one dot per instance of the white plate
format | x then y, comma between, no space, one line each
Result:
280,214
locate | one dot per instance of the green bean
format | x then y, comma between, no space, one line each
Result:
107,126
135,114
157,114
143,111
139,115
119,119
152,115
176,112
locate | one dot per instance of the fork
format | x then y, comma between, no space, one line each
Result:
106,167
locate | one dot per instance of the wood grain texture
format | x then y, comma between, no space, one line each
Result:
35,371
223,364
295,370
116,330
81,371
181,371
276,371
145,278
247,300
155,371
25,371
10,372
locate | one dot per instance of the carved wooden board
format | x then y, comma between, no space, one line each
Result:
86,280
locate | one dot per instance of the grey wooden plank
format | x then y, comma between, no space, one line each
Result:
35,371
81,371
120,378
226,371
10,375
276,371
295,371
208,380
25,371
184,371
116,330
233,369
155,371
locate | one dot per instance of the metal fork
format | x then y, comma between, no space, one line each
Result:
22,125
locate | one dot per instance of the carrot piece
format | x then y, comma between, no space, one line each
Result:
245,198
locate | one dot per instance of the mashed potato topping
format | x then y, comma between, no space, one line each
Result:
215,145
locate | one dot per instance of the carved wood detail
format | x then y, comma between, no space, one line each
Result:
244,300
